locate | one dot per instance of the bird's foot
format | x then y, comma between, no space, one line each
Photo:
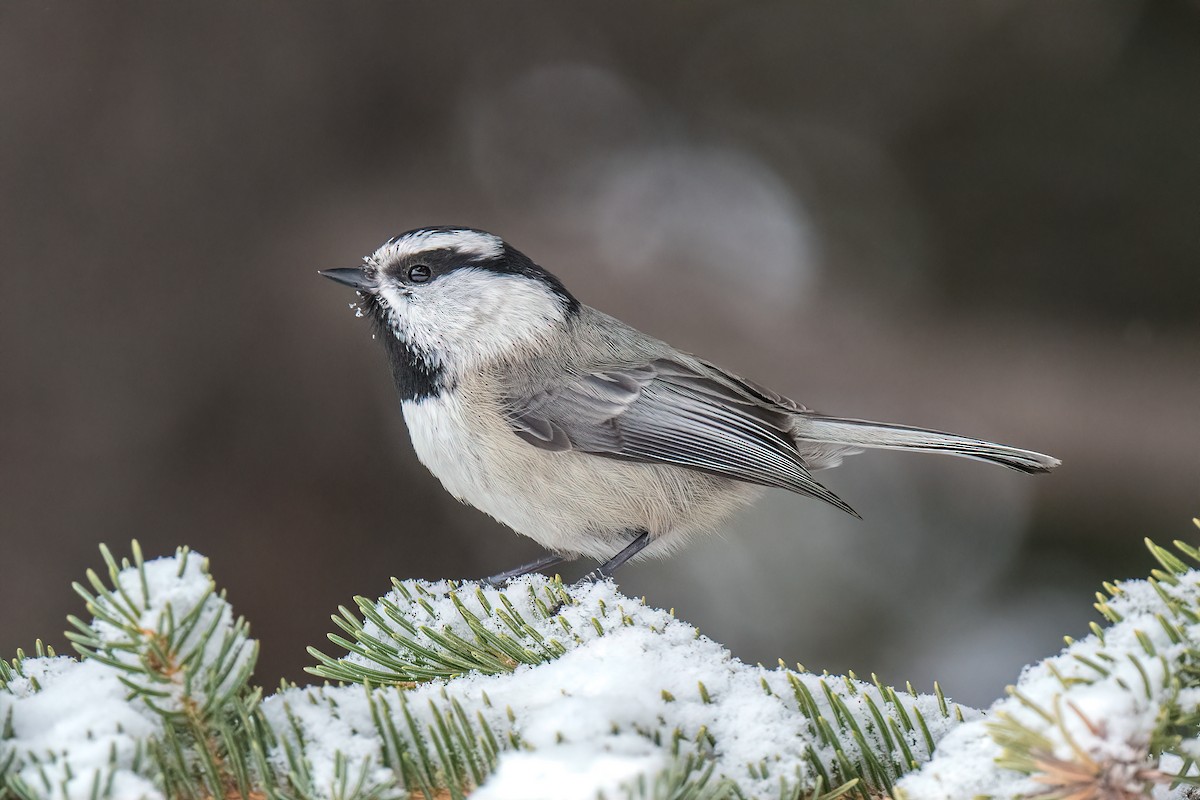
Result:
502,579
605,571
598,575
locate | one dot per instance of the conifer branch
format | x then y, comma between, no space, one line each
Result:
1111,717
165,668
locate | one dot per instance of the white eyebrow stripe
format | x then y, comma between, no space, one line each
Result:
464,241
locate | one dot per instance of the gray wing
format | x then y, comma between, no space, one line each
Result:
665,411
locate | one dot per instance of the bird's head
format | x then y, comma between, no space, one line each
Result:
457,298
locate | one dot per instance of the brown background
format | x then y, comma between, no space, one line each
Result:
977,216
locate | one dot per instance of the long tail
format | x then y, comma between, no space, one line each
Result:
861,433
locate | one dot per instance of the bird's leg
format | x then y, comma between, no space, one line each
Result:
548,560
609,567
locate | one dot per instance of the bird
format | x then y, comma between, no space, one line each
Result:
579,431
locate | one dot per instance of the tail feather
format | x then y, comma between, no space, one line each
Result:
861,433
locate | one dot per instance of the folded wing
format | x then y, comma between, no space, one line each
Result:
668,412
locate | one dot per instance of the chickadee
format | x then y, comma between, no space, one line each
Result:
574,429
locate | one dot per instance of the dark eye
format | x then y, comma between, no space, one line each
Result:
419,273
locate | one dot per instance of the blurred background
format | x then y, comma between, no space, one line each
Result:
981,217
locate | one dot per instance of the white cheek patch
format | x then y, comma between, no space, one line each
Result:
471,316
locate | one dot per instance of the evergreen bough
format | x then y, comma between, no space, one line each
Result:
159,703
1114,716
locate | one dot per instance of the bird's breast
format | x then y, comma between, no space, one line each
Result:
447,439
571,502
465,441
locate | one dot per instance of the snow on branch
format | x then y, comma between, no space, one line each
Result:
1115,715
542,690
598,689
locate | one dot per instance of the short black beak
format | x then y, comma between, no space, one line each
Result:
351,276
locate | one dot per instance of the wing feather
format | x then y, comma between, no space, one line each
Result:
666,411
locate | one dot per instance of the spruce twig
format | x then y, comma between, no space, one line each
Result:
164,632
